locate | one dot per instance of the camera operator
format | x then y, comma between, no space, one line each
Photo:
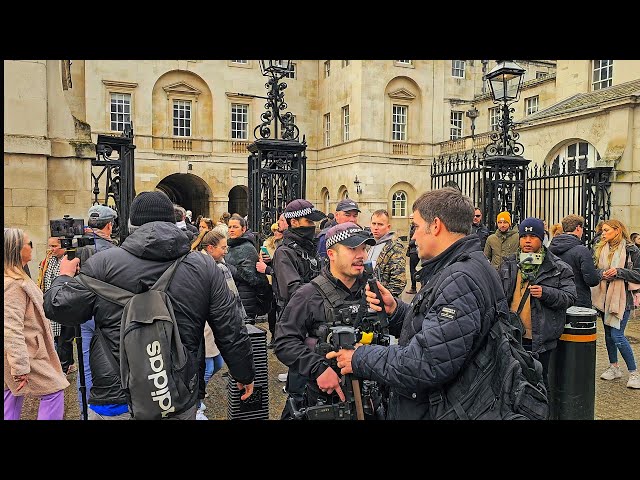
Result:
459,296
305,312
100,226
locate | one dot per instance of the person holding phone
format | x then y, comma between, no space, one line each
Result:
264,259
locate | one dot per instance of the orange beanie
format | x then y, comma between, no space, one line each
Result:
504,216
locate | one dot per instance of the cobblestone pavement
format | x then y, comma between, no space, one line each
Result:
614,401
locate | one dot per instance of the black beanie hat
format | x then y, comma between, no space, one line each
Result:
151,207
532,226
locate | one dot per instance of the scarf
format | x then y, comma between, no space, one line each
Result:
610,297
530,270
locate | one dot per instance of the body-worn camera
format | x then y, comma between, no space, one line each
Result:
70,231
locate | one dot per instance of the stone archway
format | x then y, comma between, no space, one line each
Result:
189,191
239,200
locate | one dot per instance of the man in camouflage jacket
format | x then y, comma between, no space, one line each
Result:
388,254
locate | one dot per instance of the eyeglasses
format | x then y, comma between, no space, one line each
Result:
478,215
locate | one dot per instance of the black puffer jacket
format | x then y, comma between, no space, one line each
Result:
198,293
549,312
243,255
571,251
459,298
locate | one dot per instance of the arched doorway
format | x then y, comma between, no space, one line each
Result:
188,191
239,200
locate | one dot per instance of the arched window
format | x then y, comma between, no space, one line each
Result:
345,194
576,157
325,200
399,204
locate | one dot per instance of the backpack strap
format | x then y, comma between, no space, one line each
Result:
522,301
328,291
163,282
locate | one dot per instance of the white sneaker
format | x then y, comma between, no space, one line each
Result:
200,415
611,373
202,407
282,377
634,380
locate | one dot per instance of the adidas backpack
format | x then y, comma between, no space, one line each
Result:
158,374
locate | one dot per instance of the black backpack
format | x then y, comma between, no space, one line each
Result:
499,380
157,372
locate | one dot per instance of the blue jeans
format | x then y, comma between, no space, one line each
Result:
615,340
211,366
86,330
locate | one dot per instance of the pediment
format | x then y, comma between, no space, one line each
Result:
181,88
402,94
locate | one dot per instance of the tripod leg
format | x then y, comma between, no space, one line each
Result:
83,387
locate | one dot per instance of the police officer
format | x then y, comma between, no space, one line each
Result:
295,263
296,341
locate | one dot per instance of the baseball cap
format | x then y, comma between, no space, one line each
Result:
347,204
303,208
349,234
102,212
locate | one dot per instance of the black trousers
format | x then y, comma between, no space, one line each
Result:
64,346
543,358
413,263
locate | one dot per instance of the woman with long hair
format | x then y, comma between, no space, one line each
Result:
31,364
204,225
619,261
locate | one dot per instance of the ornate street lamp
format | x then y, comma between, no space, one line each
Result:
276,70
504,167
505,80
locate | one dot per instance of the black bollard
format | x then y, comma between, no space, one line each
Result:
572,368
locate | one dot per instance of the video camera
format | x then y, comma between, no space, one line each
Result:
70,231
344,331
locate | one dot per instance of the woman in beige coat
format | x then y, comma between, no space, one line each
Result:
31,364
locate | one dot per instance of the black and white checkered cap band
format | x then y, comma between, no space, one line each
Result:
299,213
340,236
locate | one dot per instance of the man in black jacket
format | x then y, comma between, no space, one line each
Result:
198,293
305,313
548,287
295,263
459,300
479,228
568,246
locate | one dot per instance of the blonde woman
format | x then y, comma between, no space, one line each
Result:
619,261
31,365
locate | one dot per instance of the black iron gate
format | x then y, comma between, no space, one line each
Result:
498,183
117,175
277,175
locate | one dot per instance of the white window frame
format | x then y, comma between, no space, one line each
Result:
399,122
239,121
112,86
399,203
404,62
456,120
540,74
563,154
494,119
122,100
327,68
345,123
185,130
602,74
532,104
326,129
457,68
240,62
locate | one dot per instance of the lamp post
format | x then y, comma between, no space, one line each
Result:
504,166
505,81
473,113
276,70
357,183
277,163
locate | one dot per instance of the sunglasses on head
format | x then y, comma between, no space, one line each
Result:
30,244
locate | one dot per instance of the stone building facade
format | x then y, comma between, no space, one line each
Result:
384,121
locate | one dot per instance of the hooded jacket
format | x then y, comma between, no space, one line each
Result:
569,249
391,264
243,255
198,293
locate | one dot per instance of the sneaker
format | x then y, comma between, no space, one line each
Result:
634,380
200,415
202,407
282,377
611,373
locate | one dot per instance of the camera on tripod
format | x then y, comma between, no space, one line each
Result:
70,231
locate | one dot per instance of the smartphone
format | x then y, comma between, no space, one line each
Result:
264,251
